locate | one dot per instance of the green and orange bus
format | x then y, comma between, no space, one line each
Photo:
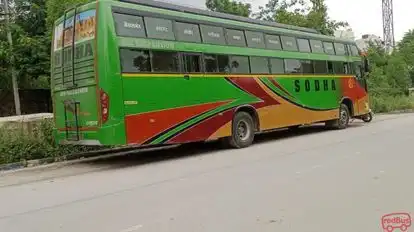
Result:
140,72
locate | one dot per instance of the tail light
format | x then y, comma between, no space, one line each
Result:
104,106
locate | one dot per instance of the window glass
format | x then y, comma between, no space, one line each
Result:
293,66
357,69
259,65
306,67
273,42
187,32
211,63
317,46
289,43
277,66
338,67
340,49
129,25
255,39
304,45
212,35
354,50
239,64
223,63
320,66
159,28
235,38
329,48
192,63
135,60
165,61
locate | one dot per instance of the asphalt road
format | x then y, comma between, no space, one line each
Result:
313,180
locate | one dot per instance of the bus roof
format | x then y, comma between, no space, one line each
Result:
184,9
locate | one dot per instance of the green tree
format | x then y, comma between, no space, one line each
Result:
229,7
406,50
303,13
31,44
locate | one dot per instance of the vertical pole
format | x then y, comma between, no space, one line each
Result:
12,60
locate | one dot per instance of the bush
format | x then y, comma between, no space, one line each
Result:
17,145
384,104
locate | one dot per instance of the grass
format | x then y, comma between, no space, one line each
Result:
385,104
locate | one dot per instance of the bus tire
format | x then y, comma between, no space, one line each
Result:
343,121
243,131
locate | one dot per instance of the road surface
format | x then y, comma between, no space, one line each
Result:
311,181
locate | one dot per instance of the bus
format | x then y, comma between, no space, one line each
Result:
147,73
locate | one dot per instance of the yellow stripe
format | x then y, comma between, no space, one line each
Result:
169,75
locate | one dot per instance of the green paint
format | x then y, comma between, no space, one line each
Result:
231,50
178,92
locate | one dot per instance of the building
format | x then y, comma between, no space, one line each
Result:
366,39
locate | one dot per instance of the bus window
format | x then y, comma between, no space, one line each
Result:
340,49
289,43
320,66
304,45
339,67
255,39
292,66
129,25
329,48
192,63
277,66
273,42
306,67
223,63
212,35
187,32
159,28
259,65
239,64
133,61
235,38
317,46
211,63
165,62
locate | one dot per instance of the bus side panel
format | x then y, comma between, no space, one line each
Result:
176,110
159,108
281,105
303,100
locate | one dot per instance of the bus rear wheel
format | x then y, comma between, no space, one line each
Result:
243,131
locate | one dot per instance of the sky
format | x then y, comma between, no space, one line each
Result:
364,16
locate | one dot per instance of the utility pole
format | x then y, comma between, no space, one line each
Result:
388,24
12,59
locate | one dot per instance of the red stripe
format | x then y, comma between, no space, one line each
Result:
251,86
141,127
203,130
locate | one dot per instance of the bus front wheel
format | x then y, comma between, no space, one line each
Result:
343,121
243,131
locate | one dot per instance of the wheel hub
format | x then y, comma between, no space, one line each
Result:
243,131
